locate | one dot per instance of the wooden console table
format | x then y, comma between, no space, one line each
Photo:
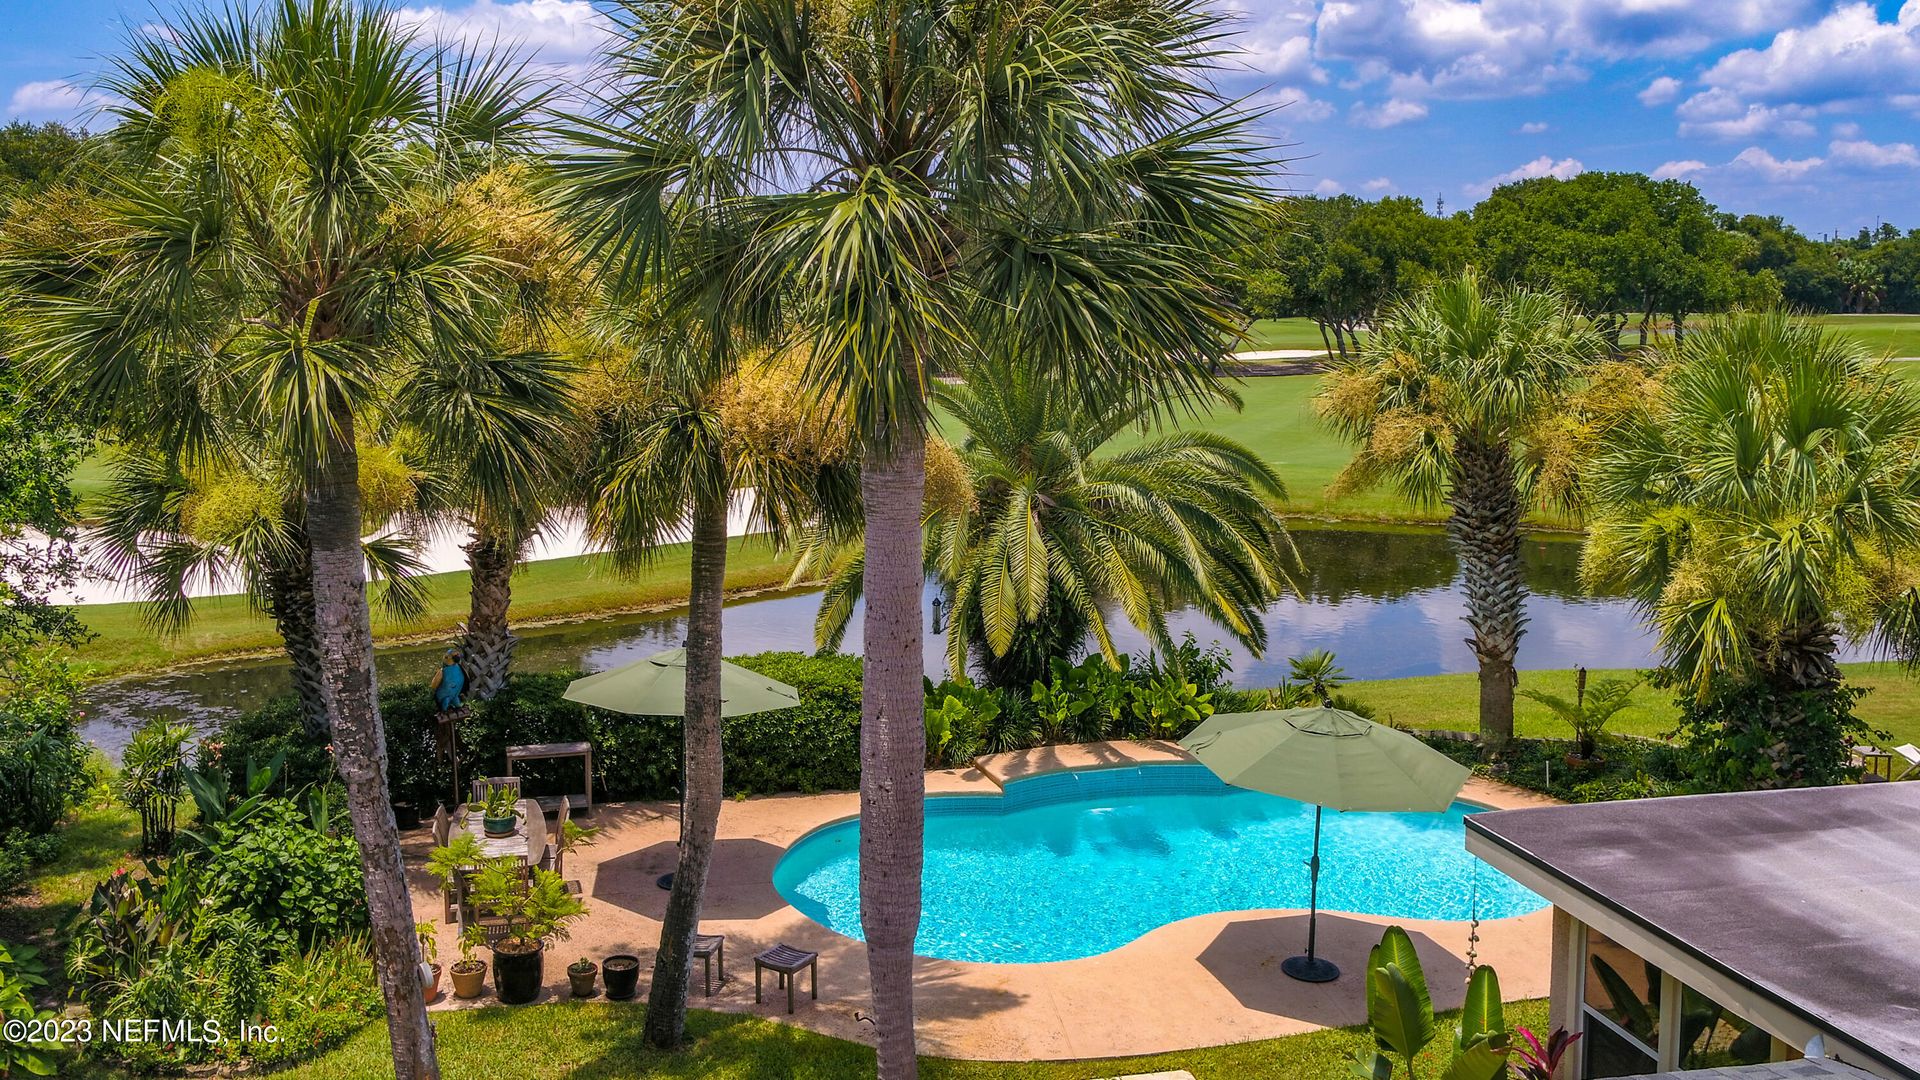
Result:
556,751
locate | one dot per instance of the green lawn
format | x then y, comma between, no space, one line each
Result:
583,1041
1453,701
1296,333
1888,335
548,590
95,840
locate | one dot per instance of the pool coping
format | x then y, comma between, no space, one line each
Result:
1206,980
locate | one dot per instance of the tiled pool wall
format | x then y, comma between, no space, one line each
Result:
1075,785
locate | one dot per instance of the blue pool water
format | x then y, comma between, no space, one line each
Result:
1074,864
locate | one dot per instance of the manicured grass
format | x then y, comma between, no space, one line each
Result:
551,589
1453,701
1888,335
1295,333
583,1041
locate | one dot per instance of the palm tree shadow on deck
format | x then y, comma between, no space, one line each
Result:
1245,958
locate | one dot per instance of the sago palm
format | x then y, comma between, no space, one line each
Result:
1764,499
1453,399
1037,522
680,424
272,262
918,182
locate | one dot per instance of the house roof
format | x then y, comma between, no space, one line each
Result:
1810,897
1805,1069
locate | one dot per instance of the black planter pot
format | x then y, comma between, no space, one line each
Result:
517,975
406,816
621,974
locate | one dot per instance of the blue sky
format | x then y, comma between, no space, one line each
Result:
1805,108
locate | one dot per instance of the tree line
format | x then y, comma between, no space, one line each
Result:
1637,255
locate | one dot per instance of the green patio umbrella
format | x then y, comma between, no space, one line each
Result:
657,686
1331,758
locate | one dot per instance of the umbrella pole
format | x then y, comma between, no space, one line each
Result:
1311,968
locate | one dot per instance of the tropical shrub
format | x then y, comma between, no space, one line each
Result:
1744,733
152,778
1588,713
957,715
43,761
1400,1014
316,998
298,885
21,975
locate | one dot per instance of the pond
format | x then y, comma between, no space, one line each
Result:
1386,600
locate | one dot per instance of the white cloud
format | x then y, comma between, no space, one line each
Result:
1660,91
1873,155
54,99
1564,169
1720,114
1293,103
1846,129
1328,186
1849,53
559,30
1379,185
1275,37
1674,170
1389,113
1756,160
1500,48
1535,127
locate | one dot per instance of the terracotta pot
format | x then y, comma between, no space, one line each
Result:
517,973
469,978
622,971
582,979
430,980
1575,761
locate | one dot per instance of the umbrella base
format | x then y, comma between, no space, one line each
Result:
1310,969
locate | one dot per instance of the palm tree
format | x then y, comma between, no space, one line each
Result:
165,529
917,182
1042,523
1762,500
674,434
1450,399
274,265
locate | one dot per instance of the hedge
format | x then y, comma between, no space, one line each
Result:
813,747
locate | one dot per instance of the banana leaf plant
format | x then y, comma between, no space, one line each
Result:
1400,1013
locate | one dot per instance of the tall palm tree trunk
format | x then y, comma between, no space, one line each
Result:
289,603
360,746
893,741
491,556
704,781
1484,528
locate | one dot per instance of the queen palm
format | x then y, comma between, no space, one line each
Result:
1763,500
919,181
1048,521
1451,399
274,260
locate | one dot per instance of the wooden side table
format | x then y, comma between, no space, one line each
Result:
788,962
706,947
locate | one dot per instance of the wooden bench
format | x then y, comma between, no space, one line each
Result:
788,962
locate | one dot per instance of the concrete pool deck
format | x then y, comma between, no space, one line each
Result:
1202,981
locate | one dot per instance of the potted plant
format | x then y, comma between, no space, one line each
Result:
500,810
533,910
623,976
469,974
1588,713
430,951
581,974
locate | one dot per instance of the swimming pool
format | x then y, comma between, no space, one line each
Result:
1073,864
